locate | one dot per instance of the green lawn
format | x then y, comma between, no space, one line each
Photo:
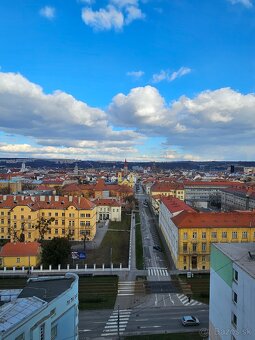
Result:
98,292
114,247
171,336
138,243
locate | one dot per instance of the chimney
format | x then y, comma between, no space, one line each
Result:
79,199
4,197
70,198
42,198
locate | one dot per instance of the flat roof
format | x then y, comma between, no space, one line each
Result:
239,254
15,311
46,288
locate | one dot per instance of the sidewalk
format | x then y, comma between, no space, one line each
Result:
102,228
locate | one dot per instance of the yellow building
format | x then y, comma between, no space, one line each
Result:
20,254
71,217
128,180
168,189
189,234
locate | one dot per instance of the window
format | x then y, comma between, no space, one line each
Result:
22,209
234,296
234,234
184,267
63,214
82,223
49,214
185,259
203,246
185,236
203,258
43,213
203,234
42,332
185,247
235,275
214,234
87,223
29,217
29,235
194,236
63,231
56,222
224,234
56,231
18,260
22,217
20,337
63,222
14,217
2,213
2,221
87,215
82,215
234,319
54,332
244,234
2,230
117,210
194,247
49,231
56,214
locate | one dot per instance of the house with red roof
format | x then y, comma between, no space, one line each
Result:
20,254
108,209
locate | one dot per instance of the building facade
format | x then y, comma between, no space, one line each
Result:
232,292
71,217
238,199
47,308
108,209
189,234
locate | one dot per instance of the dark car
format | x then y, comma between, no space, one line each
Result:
158,248
189,320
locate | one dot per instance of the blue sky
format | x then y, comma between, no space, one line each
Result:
145,80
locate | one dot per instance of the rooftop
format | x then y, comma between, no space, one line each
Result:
239,254
20,249
46,288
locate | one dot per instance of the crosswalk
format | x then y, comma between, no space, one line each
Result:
185,300
126,288
116,324
155,271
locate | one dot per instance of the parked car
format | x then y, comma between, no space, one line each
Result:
158,248
190,320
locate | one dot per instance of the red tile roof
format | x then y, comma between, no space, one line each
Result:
48,202
174,204
232,219
21,249
211,183
107,202
166,186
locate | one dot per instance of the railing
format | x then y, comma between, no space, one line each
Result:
84,268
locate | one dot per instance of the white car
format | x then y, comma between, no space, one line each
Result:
190,320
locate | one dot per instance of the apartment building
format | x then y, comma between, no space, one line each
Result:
168,189
189,234
108,209
199,193
47,308
71,216
232,292
241,198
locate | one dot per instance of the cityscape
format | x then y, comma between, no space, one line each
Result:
127,170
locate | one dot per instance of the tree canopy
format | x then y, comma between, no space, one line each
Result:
55,251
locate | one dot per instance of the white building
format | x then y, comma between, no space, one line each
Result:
47,308
232,291
108,209
170,207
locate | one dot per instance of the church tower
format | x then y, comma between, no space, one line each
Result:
125,168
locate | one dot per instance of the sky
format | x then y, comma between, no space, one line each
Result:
146,80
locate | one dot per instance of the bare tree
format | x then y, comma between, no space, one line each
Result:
43,226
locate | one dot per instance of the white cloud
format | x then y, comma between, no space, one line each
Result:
114,16
166,75
246,3
57,117
48,12
135,74
103,19
212,119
